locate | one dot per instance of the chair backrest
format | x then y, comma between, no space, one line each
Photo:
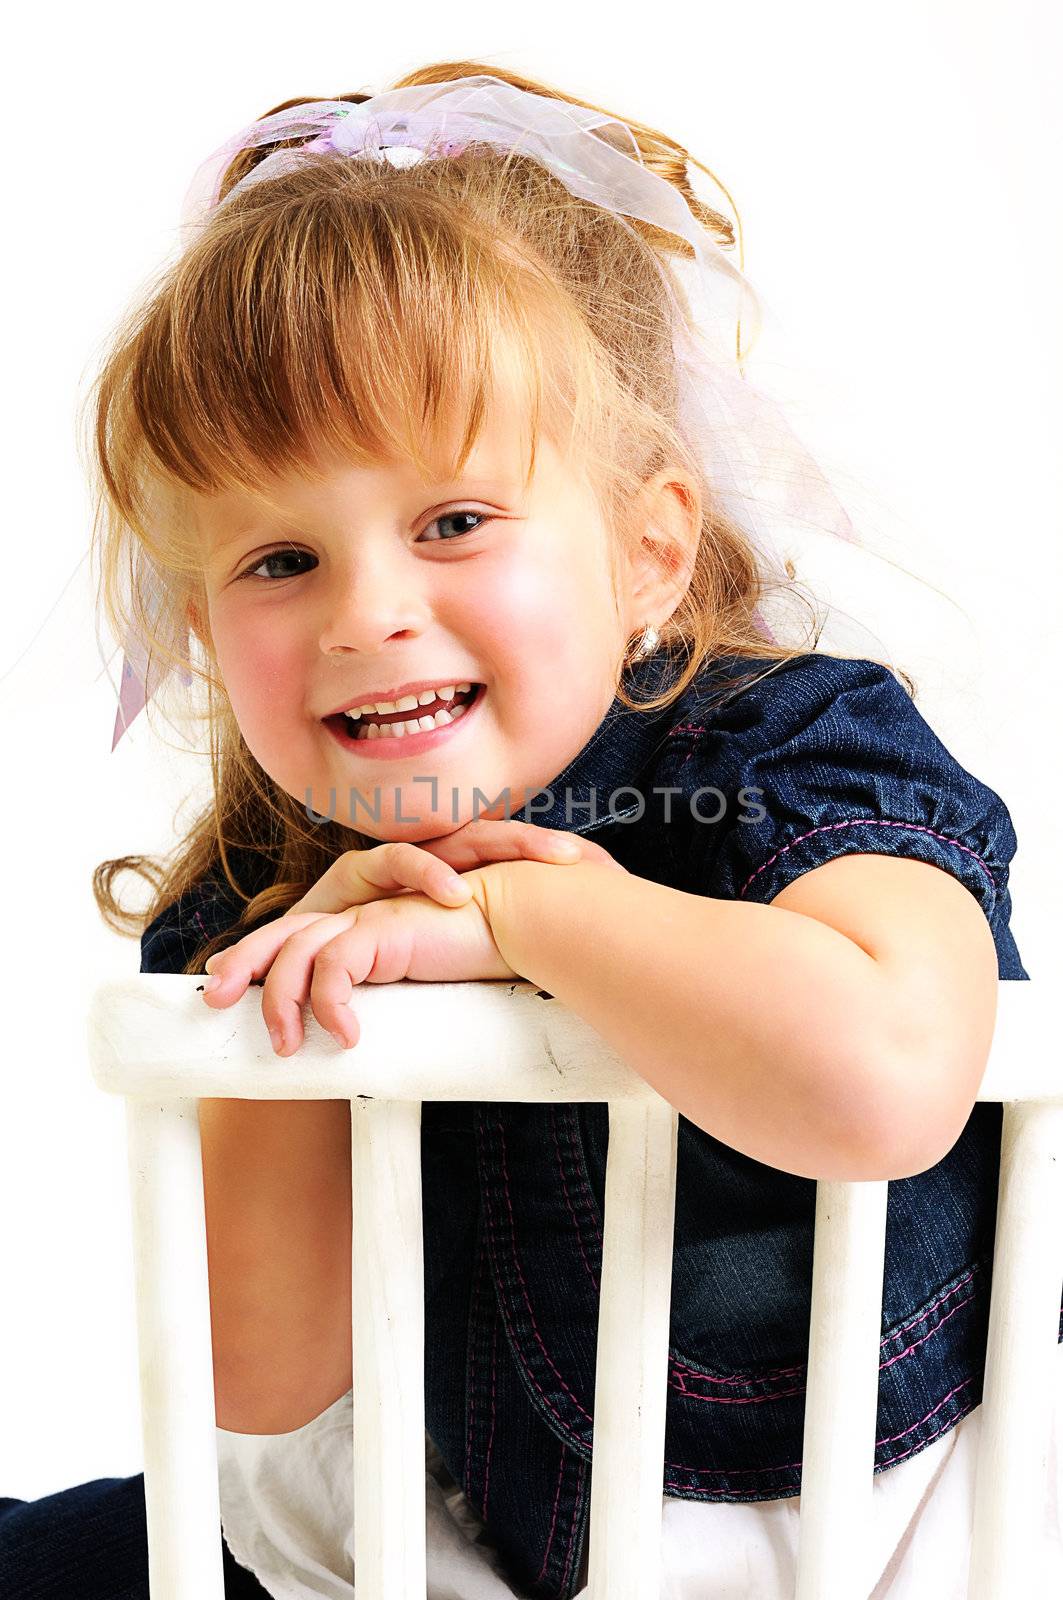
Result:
152,1040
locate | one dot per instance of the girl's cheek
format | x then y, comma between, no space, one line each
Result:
522,605
260,673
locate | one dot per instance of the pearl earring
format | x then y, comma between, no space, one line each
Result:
648,643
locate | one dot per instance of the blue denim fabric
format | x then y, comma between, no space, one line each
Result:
90,1543
733,791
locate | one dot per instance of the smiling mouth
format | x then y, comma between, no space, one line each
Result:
403,724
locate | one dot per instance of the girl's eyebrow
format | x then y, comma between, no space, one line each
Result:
484,481
234,536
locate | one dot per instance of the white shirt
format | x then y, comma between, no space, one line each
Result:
286,1508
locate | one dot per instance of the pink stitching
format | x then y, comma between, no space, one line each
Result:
755,1400
873,822
728,1472
944,1426
914,1323
723,1400
537,1386
571,1212
565,1426
736,1472
202,929
592,1200
892,1438
553,1521
524,1286
908,1350
686,727
491,1435
676,1465
702,1472
574,1523
681,1370
718,1400
477,1276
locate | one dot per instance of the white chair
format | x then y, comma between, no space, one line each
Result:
152,1039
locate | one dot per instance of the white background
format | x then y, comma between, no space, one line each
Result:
896,173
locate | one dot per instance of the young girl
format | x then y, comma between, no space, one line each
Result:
783,902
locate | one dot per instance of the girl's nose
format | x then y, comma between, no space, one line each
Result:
360,613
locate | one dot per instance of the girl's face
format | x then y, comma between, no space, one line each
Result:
371,581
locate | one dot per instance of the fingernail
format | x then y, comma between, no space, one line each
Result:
454,885
276,1039
565,847
340,1040
212,983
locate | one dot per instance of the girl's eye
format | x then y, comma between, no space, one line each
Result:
277,555
302,555
453,516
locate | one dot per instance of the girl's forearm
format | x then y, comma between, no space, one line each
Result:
277,1194
763,1026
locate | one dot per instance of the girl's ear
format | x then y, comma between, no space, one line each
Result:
661,569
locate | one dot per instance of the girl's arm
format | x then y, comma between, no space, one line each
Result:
845,1043
277,1194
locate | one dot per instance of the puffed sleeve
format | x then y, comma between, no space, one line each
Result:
826,757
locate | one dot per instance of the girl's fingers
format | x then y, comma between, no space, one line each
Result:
407,866
298,965
251,957
357,878
360,876
284,953
484,841
332,984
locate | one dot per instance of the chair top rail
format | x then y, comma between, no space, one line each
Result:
151,1035
502,1040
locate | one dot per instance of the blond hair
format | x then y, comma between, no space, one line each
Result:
330,307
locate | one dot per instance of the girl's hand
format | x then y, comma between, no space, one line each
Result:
359,876
393,873
484,841
321,957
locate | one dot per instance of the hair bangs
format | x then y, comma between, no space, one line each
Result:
356,328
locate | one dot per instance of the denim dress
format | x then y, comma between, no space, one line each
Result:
759,772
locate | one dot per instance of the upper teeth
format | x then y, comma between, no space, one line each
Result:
409,702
